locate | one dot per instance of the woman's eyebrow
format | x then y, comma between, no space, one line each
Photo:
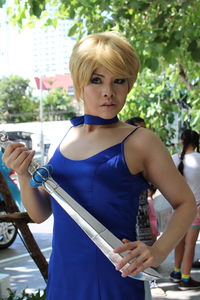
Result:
96,74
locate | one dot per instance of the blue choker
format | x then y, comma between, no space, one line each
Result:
92,120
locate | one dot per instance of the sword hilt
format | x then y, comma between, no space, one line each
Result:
39,174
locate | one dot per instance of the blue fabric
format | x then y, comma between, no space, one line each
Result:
104,186
13,188
94,120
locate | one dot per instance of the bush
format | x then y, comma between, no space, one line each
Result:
39,295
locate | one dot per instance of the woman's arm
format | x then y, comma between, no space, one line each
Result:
152,158
160,170
35,200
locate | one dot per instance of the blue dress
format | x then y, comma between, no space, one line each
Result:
104,186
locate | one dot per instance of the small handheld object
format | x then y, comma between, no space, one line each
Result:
105,240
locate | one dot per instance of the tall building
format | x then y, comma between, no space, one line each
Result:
51,49
34,52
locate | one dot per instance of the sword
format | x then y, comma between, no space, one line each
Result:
105,240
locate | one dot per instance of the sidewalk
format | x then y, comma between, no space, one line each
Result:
171,289
18,264
163,212
24,274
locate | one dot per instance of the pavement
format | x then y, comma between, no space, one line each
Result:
167,289
18,264
24,274
170,289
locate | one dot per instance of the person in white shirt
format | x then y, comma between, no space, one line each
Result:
188,163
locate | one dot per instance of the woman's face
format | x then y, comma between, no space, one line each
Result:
105,95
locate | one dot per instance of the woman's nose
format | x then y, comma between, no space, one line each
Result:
108,90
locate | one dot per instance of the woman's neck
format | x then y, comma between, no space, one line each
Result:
190,149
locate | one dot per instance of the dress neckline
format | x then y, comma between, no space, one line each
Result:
92,156
120,143
85,160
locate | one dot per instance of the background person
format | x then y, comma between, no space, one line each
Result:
104,164
188,163
136,121
147,223
196,263
152,214
146,227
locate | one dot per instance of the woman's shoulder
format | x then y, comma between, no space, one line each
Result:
194,155
145,144
142,148
143,137
197,154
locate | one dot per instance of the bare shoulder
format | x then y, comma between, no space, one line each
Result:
144,139
144,148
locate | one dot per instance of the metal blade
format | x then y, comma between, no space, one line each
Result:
105,240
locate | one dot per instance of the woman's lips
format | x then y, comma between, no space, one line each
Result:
108,105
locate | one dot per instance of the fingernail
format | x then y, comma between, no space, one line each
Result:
117,267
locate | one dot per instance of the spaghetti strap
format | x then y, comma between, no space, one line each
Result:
58,142
134,130
65,134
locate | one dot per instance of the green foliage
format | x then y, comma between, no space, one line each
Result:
165,35
18,105
39,295
156,28
153,100
16,101
159,101
58,105
2,2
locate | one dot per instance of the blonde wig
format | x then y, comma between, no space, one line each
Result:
107,49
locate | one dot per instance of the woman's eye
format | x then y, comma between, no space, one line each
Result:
120,80
95,80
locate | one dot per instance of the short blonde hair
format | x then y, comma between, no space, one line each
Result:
108,49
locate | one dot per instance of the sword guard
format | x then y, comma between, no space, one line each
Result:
40,175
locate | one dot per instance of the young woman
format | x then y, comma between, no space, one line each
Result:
104,164
188,163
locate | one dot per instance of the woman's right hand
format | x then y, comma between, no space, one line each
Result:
18,158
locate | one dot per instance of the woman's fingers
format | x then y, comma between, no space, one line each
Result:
18,157
137,258
136,266
25,159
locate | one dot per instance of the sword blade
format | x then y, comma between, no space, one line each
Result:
105,240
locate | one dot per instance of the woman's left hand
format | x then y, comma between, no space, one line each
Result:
139,256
